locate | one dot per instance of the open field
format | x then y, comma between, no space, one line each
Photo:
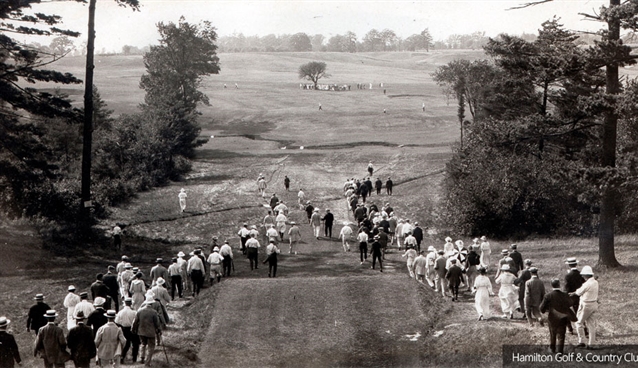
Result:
324,308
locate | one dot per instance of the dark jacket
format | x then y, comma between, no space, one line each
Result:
328,219
99,289
534,292
473,259
8,350
146,322
51,344
375,248
558,304
96,320
417,232
36,319
573,280
110,281
80,342
520,282
378,184
454,275
518,260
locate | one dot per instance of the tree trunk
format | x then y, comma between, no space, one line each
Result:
85,204
606,253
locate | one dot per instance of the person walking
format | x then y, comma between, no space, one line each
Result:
182,199
417,232
109,341
362,238
328,219
454,276
378,184
244,235
272,252
482,292
486,251
281,225
388,186
286,183
117,237
137,290
534,293
507,294
345,234
294,235
84,305
587,308
439,267
430,272
125,318
517,258
124,278
411,253
301,199
195,269
110,281
473,262
315,222
147,326
98,289
310,209
558,306
97,318
215,261
50,343
175,273
36,318
80,342
9,353
158,271
420,267
370,168
227,252
573,281
70,301
376,252
252,250
261,186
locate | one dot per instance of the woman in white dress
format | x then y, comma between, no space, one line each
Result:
486,250
448,247
281,225
483,291
182,199
138,291
508,294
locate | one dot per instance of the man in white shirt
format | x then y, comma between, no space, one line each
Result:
227,252
362,238
215,260
124,319
244,234
588,308
345,234
252,251
301,199
195,269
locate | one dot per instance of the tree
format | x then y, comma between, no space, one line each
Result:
317,43
426,40
61,45
174,71
373,41
313,71
300,42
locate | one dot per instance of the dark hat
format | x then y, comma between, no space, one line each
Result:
513,246
528,262
482,270
198,251
39,297
533,270
441,252
79,315
128,301
110,314
159,260
51,313
453,260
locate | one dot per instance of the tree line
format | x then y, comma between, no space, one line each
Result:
41,133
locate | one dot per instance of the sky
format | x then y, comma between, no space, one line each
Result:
117,26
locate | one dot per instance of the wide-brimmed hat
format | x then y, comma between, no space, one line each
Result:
71,288
316,210
571,260
181,254
505,267
448,240
110,314
51,313
128,266
483,237
39,297
160,281
431,249
216,249
99,301
79,315
587,271
4,322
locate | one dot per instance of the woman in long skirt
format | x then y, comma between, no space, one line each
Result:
138,291
486,251
508,294
482,291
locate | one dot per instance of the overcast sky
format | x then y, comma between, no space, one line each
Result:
117,26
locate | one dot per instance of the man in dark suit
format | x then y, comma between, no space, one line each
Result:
388,186
328,219
534,294
454,275
9,353
520,282
80,342
558,305
98,289
517,258
50,343
110,281
36,318
417,233
573,280
378,185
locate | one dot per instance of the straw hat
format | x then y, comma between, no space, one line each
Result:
4,322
